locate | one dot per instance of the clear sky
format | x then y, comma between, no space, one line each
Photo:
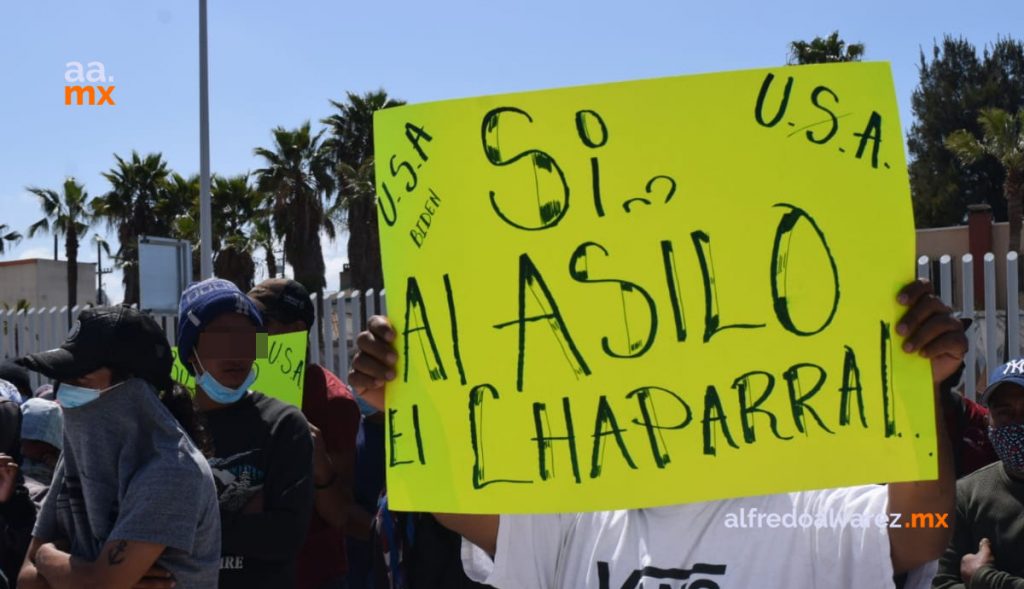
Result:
278,62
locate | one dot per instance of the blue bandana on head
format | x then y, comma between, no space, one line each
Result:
201,303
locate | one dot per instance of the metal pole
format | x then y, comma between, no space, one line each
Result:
205,222
99,275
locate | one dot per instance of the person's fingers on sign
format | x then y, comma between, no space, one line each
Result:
375,361
929,329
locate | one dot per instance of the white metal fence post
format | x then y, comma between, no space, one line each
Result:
314,341
1012,308
991,320
970,360
924,270
343,333
3,334
329,357
946,279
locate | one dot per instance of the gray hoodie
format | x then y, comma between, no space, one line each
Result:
129,472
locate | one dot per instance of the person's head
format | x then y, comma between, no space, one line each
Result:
106,346
9,392
17,376
218,337
284,304
42,431
1004,398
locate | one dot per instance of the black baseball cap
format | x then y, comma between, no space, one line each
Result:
119,338
17,376
283,300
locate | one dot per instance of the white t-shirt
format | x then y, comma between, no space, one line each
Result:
729,544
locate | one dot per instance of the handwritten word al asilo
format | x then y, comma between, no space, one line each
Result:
754,518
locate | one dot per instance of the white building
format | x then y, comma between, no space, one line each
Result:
44,283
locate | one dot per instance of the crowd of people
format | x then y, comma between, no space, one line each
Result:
114,476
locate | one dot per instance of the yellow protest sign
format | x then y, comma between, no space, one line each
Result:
650,292
280,374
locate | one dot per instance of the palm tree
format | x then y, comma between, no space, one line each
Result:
234,203
351,146
263,231
298,180
131,207
1002,139
830,49
7,235
101,247
66,214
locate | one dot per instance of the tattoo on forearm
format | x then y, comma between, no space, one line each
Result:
116,555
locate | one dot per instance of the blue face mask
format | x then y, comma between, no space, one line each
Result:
217,391
70,396
365,408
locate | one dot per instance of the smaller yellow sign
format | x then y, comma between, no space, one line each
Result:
280,374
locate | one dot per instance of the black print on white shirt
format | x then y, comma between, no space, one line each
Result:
693,578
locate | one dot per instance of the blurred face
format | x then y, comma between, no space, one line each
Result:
1006,405
40,452
226,349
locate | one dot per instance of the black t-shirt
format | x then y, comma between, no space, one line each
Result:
261,446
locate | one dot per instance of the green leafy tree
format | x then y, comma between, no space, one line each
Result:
1002,139
131,209
298,180
66,214
955,85
829,49
8,235
351,147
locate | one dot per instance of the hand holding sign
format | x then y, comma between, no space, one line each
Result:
374,363
931,330
928,326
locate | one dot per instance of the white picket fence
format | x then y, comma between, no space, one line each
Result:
27,331
995,334
34,330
